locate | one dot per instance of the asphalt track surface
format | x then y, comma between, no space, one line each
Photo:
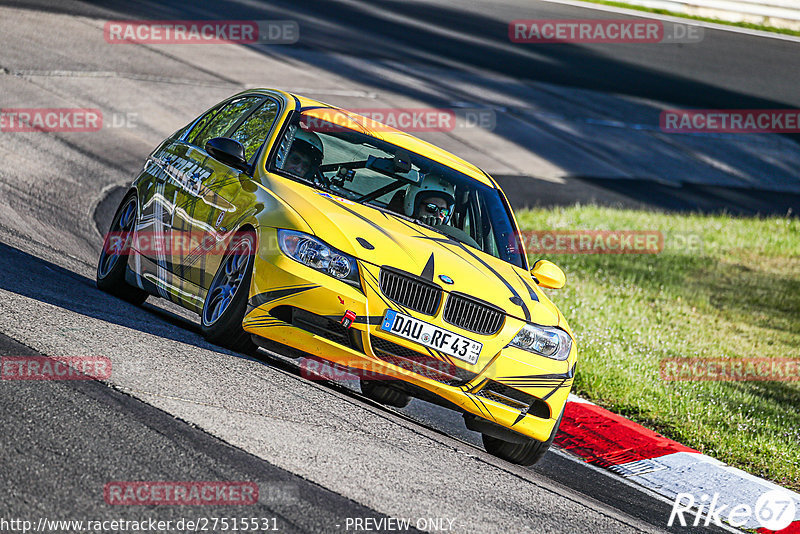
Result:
177,408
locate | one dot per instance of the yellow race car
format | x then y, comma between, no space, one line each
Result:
291,224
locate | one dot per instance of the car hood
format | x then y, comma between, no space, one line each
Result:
382,239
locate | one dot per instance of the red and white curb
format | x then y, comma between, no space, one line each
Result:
670,469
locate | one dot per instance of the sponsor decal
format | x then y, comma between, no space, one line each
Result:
333,197
348,318
185,173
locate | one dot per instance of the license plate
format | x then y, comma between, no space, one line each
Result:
431,336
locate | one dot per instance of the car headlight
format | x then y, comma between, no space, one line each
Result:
545,341
318,255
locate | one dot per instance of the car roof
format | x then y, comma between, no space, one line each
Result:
392,135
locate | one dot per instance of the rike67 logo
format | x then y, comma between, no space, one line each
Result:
774,510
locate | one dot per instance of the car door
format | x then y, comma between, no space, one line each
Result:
225,192
166,175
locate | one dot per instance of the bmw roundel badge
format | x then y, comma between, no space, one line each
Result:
446,279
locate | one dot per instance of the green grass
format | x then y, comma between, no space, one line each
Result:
748,25
735,295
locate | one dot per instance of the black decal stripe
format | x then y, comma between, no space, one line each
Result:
445,357
531,292
557,376
554,390
439,240
376,289
264,321
522,414
366,220
405,223
507,284
428,271
482,407
508,380
275,294
438,355
538,386
480,385
489,267
268,325
530,384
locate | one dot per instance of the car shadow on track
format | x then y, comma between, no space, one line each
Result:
41,280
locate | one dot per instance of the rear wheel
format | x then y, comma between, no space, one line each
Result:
114,257
384,394
527,453
226,300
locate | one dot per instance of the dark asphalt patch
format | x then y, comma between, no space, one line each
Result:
107,207
64,440
529,192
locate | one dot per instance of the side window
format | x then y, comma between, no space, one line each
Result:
225,119
202,122
254,130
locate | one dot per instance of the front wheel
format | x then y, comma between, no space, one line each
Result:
114,257
226,300
527,453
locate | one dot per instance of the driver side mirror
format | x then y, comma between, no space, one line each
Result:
228,151
548,274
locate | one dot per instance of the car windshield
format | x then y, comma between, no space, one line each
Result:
367,170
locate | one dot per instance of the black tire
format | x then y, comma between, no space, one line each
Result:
384,394
113,259
221,322
520,453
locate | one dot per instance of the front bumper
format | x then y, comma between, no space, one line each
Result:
299,307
